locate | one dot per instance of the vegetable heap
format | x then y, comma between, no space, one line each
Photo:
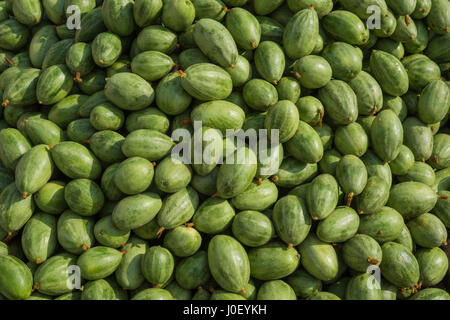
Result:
324,149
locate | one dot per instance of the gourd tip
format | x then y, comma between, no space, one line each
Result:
215,195
372,260
297,75
77,78
407,21
320,117
9,236
349,199
160,231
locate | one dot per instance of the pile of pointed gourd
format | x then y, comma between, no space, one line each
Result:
97,97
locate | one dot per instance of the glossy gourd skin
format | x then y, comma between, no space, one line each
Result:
224,149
